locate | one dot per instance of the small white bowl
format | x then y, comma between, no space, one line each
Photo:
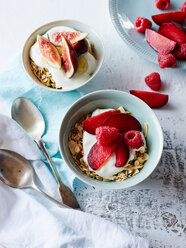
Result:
79,26
113,99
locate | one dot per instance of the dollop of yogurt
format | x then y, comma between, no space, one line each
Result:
108,169
59,76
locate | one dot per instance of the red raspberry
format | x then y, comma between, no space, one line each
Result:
153,80
105,135
133,139
180,51
183,7
141,24
162,4
166,60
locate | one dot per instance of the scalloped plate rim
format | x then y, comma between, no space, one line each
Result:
130,42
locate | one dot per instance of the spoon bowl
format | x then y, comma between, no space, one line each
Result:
29,117
17,172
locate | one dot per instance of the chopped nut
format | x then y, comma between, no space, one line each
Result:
72,145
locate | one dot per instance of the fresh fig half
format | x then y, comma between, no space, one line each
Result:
81,47
49,52
69,58
73,37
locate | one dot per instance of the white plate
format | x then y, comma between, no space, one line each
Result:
123,14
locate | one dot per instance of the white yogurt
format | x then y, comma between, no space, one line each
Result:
59,76
108,169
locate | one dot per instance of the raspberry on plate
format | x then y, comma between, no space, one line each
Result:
180,51
153,80
183,7
133,139
141,24
106,135
162,4
166,60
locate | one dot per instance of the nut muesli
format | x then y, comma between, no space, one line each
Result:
76,148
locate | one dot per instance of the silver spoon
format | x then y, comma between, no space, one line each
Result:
17,172
25,113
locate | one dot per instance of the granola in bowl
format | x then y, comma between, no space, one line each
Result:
105,150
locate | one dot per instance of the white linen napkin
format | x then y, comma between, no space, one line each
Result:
29,220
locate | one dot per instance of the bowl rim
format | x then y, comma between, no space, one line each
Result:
116,185
58,22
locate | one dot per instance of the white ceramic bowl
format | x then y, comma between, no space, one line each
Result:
93,36
113,99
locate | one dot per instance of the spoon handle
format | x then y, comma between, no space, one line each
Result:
66,194
60,204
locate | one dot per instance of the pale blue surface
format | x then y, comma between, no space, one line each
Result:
14,83
53,105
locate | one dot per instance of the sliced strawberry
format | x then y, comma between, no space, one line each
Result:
177,16
92,123
122,155
173,32
154,100
98,154
158,42
123,122
106,135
